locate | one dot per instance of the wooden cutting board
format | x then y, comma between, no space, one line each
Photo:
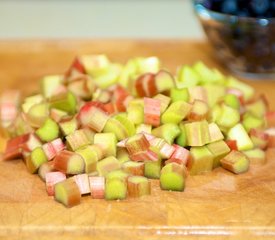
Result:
218,205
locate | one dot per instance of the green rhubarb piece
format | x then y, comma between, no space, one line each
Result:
208,75
76,164
36,159
249,121
179,94
90,158
30,101
232,100
201,160
152,169
164,102
37,114
172,177
135,113
127,72
197,133
182,138
216,112
150,64
144,128
235,162
256,156
107,165
123,119
57,115
187,77
115,127
122,155
133,168
107,141
48,131
67,192
68,126
239,134
197,92
229,117
65,102
109,77
247,90
176,112
218,149
95,65
164,81
138,186
50,84
117,174
214,93
214,132
257,108
115,189
168,132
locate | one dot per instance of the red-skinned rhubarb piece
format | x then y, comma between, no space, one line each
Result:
14,147
180,155
235,162
270,118
97,187
93,114
199,111
51,179
137,143
133,168
77,139
271,137
75,70
31,143
152,109
238,93
52,148
259,138
165,149
82,87
145,85
69,162
57,115
138,186
146,155
46,167
67,192
122,155
82,181
232,144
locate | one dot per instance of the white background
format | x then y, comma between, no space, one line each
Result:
98,19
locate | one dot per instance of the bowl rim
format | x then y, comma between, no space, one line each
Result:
200,9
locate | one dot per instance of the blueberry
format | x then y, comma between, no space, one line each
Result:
229,6
259,7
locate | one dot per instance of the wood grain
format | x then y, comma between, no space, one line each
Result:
218,205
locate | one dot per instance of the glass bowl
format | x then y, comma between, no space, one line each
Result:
243,41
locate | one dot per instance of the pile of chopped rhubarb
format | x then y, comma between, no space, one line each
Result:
105,129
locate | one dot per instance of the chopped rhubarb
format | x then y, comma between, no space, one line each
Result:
152,111
67,192
133,168
138,186
51,149
51,179
236,162
180,155
97,187
82,181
